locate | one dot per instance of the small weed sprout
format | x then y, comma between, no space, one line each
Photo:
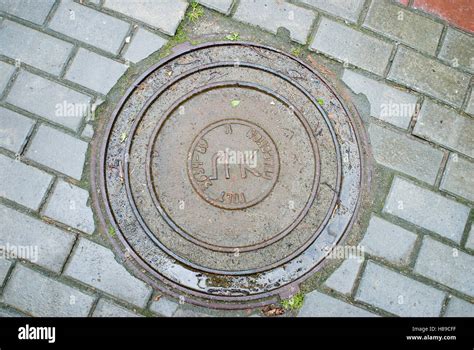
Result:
293,303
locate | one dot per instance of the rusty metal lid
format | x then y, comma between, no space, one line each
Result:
229,170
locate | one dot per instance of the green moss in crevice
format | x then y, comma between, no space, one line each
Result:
293,303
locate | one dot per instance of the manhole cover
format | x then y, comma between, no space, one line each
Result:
229,170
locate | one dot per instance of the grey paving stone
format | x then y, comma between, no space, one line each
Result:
22,183
31,10
387,103
446,265
58,151
14,128
68,204
90,26
445,127
37,49
458,177
470,104
41,296
459,308
4,268
429,76
10,313
88,132
34,240
6,72
343,279
273,14
96,266
223,6
427,209
399,152
164,307
143,44
404,26
106,308
49,100
190,313
351,46
162,14
398,294
317,304
388,241
95,72
347,9
470,239
458,49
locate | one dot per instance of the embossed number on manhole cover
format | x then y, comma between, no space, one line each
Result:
225,177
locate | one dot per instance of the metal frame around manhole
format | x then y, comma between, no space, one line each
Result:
198,297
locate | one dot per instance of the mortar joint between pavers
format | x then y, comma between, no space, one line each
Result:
11,81
233,8
51,14
442,169
68,62
441,41
364,12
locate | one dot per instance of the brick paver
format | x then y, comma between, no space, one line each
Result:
429,76
105,308
14,129
39,50
351,46
272,14
387,103
143,44
223,6
22,183
395,150
433,258
68,205
347,9
317,304
167,19
5,266
94,71
458,49
446,127
164,307
42,296
35,240
388,241
6,72
48,99
444,9
458,177
459,308
31,10
404,26
427,209
95,265
90,26
398,294
343,279
58,151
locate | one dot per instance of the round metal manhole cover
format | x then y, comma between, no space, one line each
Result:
229,170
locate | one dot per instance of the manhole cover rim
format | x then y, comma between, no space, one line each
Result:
99,149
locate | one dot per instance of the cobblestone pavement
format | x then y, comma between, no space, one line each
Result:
413,68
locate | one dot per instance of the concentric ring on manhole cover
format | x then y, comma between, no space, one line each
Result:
229,169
